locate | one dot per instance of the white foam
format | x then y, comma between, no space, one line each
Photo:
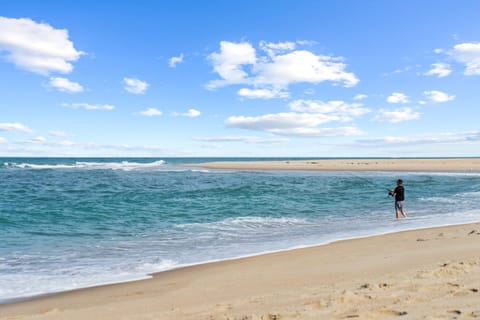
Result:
30,284
123,165
247,222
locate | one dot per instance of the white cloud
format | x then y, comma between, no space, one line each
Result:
3,140
397,115
151,112
469,54
38,139
345,111
439,69
57,133
245,139
305,119
302,66
319,132
286,120
229,61
88,106
441,138
191,113
360,96
173,61
15,127
438,96
272,48
135,86
397,97
262,93
37,47
65,85
292,124
238,63
438,50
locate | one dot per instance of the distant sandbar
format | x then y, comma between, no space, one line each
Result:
430,165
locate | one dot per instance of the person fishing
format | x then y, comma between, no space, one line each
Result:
399,194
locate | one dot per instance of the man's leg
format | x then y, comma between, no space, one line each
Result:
402,210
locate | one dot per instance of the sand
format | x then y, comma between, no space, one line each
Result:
422,274
460,164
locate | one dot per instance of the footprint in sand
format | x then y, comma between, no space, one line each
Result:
455,312
386,313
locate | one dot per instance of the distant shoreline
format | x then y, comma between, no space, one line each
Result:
410,164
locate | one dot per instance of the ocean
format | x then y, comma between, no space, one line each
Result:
70,223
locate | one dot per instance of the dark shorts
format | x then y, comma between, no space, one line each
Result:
398,205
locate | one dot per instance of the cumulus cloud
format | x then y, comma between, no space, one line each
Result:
191,113
439,69
281,65
397,115
57,133
37,47
173,61
150,112
245,139
88,106
272,48
14,127
468,53
304,119
286,120
343,110
292,124
135,86
262,93
229,62
397,97
438,96
65,85
360,96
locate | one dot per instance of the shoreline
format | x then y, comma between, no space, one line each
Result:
403,165
86,294
150,276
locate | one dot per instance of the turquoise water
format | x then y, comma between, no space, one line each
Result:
71,223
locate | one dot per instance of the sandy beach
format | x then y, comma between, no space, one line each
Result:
425,165
422,274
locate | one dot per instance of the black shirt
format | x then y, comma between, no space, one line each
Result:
399,193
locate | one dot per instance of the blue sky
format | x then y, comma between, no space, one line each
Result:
239,78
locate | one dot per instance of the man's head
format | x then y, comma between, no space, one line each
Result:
399,182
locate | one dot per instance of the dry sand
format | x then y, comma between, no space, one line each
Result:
460,164
422,274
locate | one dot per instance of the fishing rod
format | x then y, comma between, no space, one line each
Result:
376,184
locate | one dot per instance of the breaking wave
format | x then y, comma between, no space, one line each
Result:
123,165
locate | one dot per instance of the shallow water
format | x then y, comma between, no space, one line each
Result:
70,223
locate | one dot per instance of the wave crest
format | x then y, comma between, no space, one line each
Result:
123,165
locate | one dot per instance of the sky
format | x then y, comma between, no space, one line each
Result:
240,78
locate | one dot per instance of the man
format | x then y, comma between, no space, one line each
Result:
399,194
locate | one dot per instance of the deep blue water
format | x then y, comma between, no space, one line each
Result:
70,223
